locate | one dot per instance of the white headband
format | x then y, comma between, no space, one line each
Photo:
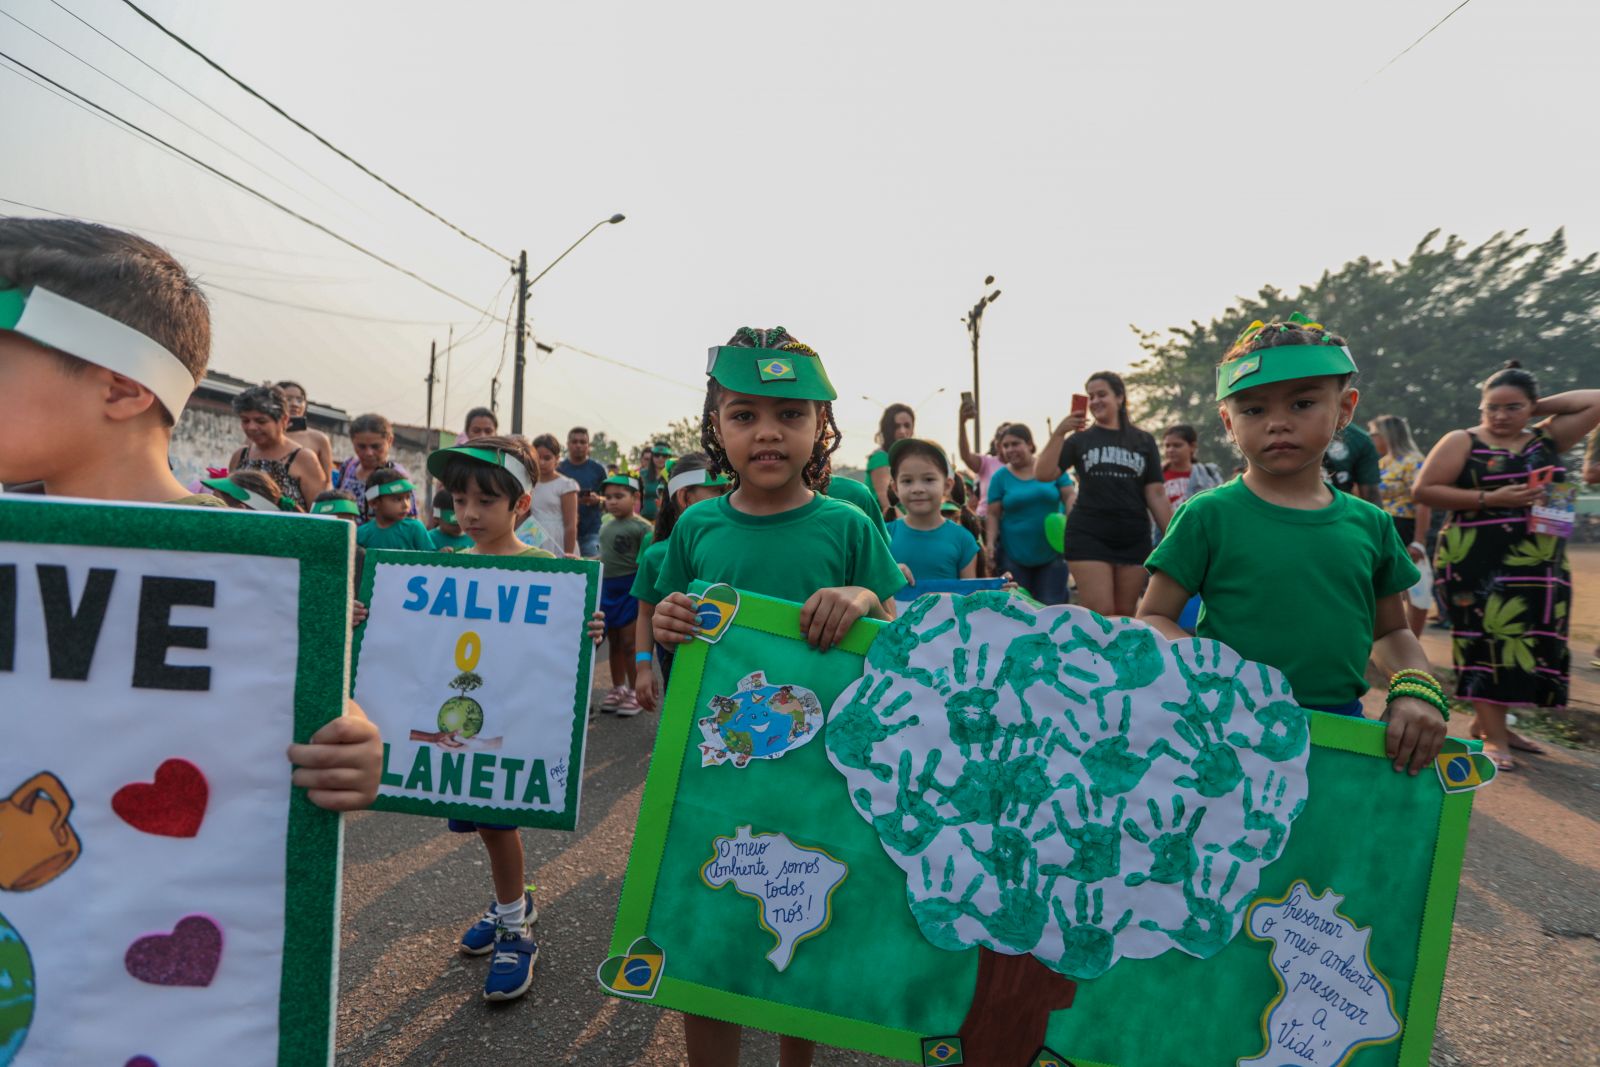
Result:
99,339
689,480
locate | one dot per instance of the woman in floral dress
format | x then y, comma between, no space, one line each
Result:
1503,580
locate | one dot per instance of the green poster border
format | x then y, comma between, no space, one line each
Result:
1357,736
314,849
566,819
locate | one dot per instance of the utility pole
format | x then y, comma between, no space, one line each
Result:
521,271
427,479
974,321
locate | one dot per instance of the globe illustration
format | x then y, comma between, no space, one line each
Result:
16,992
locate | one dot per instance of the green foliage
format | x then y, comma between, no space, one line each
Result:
1424,331
466,682
682,434
603,448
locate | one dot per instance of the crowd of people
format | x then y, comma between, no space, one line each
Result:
1320,552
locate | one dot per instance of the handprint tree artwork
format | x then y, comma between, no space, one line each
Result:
1064,791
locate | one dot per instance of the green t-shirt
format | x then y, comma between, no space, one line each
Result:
651,489
1297,590
443,542
650,561
789,556
620,542
880,458
406,534
1351,459
853,492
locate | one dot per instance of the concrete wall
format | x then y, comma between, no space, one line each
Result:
207,435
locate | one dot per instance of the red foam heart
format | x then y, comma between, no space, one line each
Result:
173,806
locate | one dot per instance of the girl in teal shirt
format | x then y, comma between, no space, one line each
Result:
1018,504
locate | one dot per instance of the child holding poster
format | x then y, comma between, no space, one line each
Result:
103,336
620,542
490,481
388,494
693,480
768,419
1284,390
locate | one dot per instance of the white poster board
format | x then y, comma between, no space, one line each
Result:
166,898
477,671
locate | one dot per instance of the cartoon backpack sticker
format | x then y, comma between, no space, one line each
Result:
37,842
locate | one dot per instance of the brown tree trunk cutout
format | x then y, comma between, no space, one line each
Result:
1010,1010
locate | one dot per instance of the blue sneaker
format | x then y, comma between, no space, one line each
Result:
511,972
479,938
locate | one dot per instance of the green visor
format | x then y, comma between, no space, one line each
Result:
1268,366
624,480
446,518
770,372
254,501
335,507
661,450
494,457
389,489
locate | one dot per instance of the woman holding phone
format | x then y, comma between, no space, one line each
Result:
1501,571
1118,468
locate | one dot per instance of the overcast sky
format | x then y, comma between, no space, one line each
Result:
848,170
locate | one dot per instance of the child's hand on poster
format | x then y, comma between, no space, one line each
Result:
597,627
358,613
339,769
829,614
1415,735
675,621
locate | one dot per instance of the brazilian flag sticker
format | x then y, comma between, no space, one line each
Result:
775,369
636,973
1045,1058
1243,368
941,1051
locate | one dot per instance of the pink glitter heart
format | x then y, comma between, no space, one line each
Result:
188,956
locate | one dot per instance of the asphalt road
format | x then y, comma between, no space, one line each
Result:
1521,988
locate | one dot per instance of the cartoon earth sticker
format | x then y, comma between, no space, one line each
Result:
16,992
759,721
1069,787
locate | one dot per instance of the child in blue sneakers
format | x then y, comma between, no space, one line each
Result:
490,481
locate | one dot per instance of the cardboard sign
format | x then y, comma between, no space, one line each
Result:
918,903
166,897
477,671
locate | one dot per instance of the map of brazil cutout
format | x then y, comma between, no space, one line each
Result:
1332,999
793,884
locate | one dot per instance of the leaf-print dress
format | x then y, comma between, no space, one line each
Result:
1505,592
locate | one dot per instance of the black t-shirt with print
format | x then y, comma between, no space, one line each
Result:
1111,467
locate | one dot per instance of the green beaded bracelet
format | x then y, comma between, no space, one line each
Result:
1417,692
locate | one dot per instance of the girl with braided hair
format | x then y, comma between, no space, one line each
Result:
769,423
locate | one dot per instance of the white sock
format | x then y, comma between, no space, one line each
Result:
511,915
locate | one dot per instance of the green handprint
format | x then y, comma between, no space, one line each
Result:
855,728
1089,948
1172,855
1258,817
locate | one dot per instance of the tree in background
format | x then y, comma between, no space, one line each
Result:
683,435
604,449
1424,331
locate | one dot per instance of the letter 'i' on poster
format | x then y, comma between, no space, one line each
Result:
477,670
160,649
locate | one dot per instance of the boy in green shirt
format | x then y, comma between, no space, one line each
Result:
388,494
1285,391
447,535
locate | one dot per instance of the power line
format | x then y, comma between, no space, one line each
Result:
158,73
122,85
321,311
626,366
136,226
1419,40
246,188
214,65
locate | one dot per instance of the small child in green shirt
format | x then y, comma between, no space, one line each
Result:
446,535
621,540
1285,390
388,494
768,420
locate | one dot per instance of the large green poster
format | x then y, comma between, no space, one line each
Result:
1118,874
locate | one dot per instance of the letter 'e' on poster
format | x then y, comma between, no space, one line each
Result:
477,671
166,896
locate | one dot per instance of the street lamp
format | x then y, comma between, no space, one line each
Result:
974,321
523,285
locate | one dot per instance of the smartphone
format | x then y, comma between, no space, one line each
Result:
1080,404
1540,478
966,398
